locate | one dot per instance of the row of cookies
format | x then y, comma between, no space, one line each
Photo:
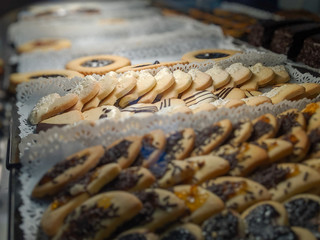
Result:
162,155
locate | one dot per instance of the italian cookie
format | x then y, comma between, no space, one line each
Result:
208,54
314,137
167,103
310,109
164,80
281,75
237,193
241,131
99,64
230,93
239,73
125,84
139,233
284,92
290,119
104,112
227,225
265,126
199,97
182,81
44,44
303,233
261,76
219,76
207,107
314,122
183,231
67,170
200,202
211,137
98,217
312,90
51,105
252,93
107,83
256,100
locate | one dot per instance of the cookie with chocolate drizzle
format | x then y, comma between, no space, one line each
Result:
66,171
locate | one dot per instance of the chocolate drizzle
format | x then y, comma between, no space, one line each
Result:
213,55
62,167
205,136
287,122
271,176
94,63
105,113
113,154
88,222
260,128
47,76
223,93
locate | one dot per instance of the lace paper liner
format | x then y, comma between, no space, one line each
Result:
49,148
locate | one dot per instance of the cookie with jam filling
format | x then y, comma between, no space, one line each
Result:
310,109
145,66
200,202
211,137
44,44
64,172
208,54
99,64
137,234
237,193
74,194
290,119
265,126
183,231
99,216
227,225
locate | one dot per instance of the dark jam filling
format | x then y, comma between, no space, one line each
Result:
286,123
47,76
94,63
262,215
211,55
307,116
174,144
180,233
223,226
271,176
145,65
270,232
133,236
260,129
88,222
127,179
304,213
159,168
205,136
105,113
224,190
314,137
113,154
146,150
231,158
61,167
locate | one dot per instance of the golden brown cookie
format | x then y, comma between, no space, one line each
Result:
230,93
256,100
239,73
208,54
219,76
44,44
281,75
182,81
241,131
145,66
290,119
285,92
199,97
265,126
104,112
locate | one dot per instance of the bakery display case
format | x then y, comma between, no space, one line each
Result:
161,120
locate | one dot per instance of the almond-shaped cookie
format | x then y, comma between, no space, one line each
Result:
312,90
243,158
238,193
211,137
201,203
183,231
99,216
265,126
290,119
62,173
227,225
207,167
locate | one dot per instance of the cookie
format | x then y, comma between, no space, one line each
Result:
211,137
301,144
287,179
86,89
310,109
98,64
139,233
207,167
104,112
51,105
145,66
314,122
256,100
290,119
252,93
232,103
183,231
312,90
219,76
225,225
98,217
160,207
123,151
281,75
200,81
60,120
243,158
153,144
285,92
265,126
125,84
207,107
130,180
239,73
303,233
44,44
200,202
314,137
75,194
313,163
67,170
230,93
17,78
261,76
145,82
241,131
208,54
140,108
304,211
199,97
238,193
175,109
182,81
167,103
107,83
164,80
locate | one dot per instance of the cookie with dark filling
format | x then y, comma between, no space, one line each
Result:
188,231
44,44
265,126
208,54
290,119
241,131
137,234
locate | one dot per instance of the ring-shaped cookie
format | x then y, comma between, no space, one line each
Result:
208,54
44,44
98,64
